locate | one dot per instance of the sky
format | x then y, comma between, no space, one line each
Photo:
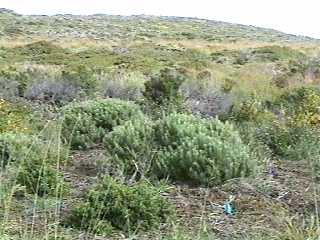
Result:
290,16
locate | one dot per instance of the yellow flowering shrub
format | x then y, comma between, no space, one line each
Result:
12,117
302,106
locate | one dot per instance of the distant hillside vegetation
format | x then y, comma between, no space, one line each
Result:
141,27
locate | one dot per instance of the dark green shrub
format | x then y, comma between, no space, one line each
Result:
293,97
40,178
82,77
112,204
276,53
204,75
299,99
306,147
34,162
201,151
295,71
221,57
85,124
13,30
162,90
195,59
43,52
301,66
13,82
242,59
284,139
251,110
258,148
39,48
282,80
277,136
260,54
228,85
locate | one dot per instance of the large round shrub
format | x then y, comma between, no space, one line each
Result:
114,205
201,151
34,163
86,123
184,148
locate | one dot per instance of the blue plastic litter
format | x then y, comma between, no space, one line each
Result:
229,207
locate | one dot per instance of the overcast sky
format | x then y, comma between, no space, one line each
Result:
291,16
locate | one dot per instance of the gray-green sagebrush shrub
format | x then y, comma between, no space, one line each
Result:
184,148
52,91
132,146
34,163
201,151
86,123
113,205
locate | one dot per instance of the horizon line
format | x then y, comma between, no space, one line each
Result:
2,9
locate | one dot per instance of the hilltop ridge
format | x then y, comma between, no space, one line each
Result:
104,26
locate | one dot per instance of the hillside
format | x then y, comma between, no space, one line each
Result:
131,28
146,127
